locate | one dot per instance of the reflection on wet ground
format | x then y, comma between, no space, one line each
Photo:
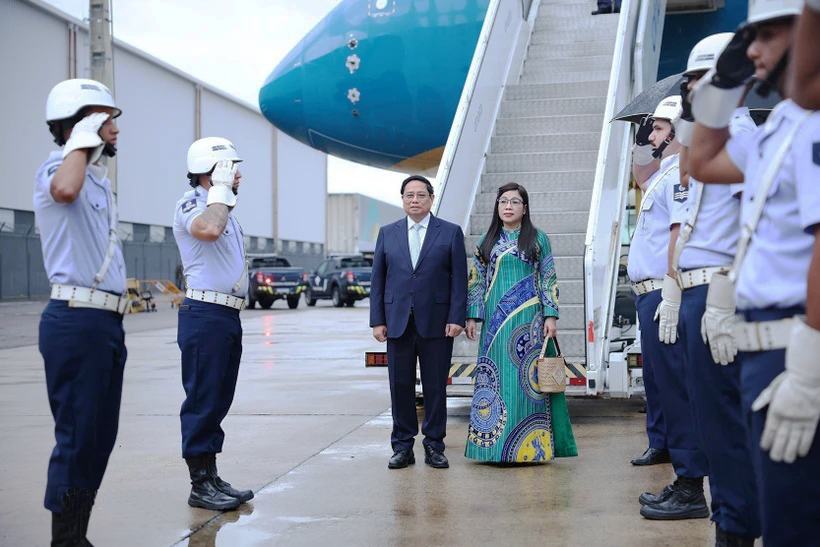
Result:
309,432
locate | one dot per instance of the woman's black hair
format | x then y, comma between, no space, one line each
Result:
527,239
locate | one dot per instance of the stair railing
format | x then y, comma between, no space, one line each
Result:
496,62
634,66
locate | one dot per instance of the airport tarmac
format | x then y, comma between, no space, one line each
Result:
309,433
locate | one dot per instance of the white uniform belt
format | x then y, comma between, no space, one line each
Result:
702,276
214,297
763,335
643,287
85,297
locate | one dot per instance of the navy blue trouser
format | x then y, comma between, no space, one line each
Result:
434,356
668,365
789,492
720,423
655,426
210,338
84,353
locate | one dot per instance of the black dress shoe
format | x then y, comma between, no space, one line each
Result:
648,498
652,456
401,458
687,502
434,458
727,539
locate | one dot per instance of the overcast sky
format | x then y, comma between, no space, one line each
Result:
243,39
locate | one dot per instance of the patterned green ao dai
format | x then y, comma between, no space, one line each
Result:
510,421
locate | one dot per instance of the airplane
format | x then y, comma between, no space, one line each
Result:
378,81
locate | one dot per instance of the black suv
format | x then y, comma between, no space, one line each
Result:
344,279
272,278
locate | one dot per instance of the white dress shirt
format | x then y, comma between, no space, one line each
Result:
422,229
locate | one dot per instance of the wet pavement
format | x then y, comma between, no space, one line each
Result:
309,433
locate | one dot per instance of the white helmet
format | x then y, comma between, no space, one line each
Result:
705,54
70,96
204,153
765,10
669,109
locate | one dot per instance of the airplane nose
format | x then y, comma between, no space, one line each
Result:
281,97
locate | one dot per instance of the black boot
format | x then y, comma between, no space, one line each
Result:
648,498
204,492
687,502
727,539
224,487
70,525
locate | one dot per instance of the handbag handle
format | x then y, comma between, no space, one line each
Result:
544,347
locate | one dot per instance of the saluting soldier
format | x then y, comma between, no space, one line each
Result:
778,267
209,333
661,213
707,245
81,336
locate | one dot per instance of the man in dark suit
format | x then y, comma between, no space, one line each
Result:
418,299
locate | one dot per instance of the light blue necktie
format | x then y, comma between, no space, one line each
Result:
415,243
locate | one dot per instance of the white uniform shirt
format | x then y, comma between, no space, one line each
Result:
422,230
210,266
75,236
717,228
775,270
661,207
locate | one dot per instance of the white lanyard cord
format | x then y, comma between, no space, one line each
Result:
112,242
241,242
769,176
649,192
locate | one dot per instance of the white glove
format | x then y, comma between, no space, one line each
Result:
85,134
642,155
684,131
668,311
222,179
793,398
718,321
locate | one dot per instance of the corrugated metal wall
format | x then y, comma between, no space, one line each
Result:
302,190
354,220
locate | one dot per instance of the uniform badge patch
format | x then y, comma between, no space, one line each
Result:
681,193
188,206
815,153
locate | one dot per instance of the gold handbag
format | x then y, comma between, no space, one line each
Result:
551,371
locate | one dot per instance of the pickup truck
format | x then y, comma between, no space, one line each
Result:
273,278
343,279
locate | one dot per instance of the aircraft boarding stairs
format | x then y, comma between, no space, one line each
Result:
558,78
546,138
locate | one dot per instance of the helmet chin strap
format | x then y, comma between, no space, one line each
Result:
765,87
658,152
109,150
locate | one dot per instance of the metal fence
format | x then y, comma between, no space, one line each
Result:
23,275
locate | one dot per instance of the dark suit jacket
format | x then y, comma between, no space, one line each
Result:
436,290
